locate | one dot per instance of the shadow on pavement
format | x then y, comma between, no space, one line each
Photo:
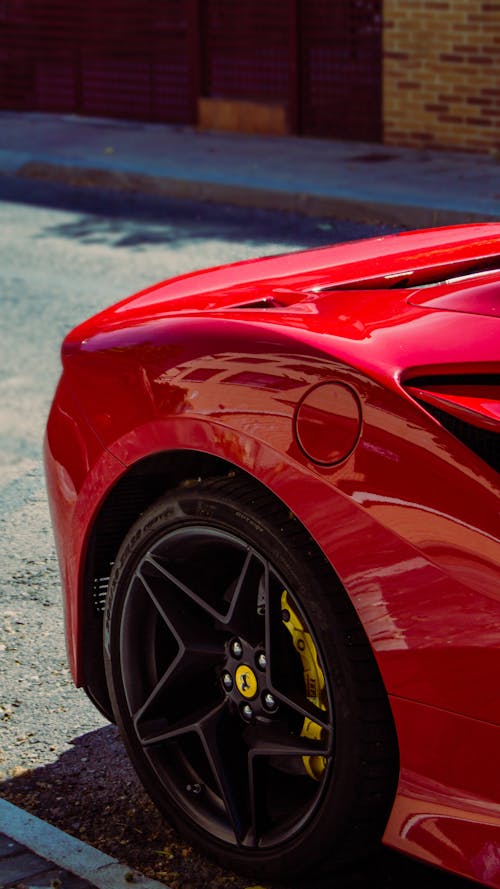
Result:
134,220
91,792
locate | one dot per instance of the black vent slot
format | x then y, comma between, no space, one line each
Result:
483,442
454,380
267,302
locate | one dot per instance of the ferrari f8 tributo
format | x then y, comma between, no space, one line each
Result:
275,493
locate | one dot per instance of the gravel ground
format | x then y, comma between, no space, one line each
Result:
61,261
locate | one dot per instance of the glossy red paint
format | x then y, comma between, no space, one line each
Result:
361,342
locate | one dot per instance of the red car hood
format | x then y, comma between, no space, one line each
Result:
389,264
395,307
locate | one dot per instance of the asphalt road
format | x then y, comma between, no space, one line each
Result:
65,255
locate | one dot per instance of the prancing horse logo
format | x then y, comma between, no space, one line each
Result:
246,681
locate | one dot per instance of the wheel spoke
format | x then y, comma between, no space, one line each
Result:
189,631
256,789
181,587
198,654
163,730
277,741
228,760
305,708
272,613
238,609
240,617
185,668
243,617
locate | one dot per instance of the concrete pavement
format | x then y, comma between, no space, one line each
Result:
361,182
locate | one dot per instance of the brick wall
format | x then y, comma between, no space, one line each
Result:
442,73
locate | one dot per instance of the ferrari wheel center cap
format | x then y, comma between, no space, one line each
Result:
246,681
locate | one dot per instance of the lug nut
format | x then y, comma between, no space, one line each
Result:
270,702
194,788
247,711
227,681
236,648
261,661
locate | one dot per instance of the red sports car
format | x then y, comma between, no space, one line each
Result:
275,495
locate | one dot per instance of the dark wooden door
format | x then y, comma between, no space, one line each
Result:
340,69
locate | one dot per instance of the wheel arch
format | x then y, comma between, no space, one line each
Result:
142,484
139,487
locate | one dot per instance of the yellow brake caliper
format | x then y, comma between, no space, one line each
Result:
314,681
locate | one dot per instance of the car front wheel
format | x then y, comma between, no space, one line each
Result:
244,686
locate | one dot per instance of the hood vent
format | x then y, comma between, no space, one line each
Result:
413,279
265,303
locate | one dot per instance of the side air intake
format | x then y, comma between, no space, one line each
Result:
468,407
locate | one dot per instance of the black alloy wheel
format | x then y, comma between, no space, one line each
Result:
234,687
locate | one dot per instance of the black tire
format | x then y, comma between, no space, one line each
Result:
197,595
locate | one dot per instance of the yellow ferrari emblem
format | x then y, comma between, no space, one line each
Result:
246,681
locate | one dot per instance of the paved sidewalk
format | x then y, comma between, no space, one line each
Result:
35,855
361,182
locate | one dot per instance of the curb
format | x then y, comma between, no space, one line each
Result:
307,204
68,852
